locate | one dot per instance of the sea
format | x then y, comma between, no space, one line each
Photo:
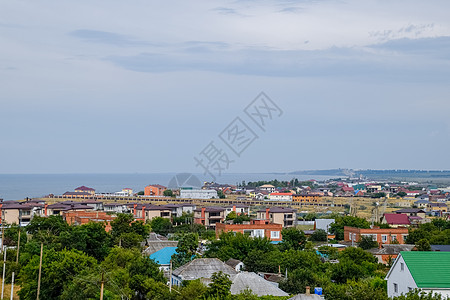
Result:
21,186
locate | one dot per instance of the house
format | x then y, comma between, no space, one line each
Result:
287,217
280,197
438,198
20,213
146,212
437,207
410,212
373,188
258,285
323,224
179,209
59,208
187,193
389,252
421,203
380,235
85,189
154,190
239,209
201,268
236,264
163,257
209,216
71,195
256,228
267,188
306,198
117,208
76,217
426,270
396,220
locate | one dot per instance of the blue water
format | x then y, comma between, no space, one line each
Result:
20,186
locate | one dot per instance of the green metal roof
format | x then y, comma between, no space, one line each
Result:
429,269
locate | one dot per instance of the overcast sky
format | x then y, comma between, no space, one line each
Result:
144,86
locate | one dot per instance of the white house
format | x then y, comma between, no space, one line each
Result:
280,197
198,194
428,271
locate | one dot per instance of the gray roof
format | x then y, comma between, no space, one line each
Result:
233,262
203,268
306,297
258,285
391,249
443,248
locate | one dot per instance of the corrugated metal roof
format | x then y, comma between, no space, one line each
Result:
258,285
429,269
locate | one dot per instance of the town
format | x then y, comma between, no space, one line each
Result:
346,238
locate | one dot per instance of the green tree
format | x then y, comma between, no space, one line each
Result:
192,290
161,226
401,194
319,235
337,228
187,247
219,286
168,193
367,242
293,239
90,238
58,268
231,216
423,245
220,194
417,294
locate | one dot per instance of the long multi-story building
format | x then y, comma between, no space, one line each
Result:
380,235
254,228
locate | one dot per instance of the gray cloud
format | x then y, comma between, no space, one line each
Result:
111,38
341,62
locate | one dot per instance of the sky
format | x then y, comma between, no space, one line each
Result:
110,86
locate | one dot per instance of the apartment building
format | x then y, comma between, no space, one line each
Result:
287,217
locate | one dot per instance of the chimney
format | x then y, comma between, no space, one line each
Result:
134,210
267,213
143,213
234,207
203,212
45,209
308,291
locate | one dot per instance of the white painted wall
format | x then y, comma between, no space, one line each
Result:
403,279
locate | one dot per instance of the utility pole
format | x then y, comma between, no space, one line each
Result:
170,277
101,287
40,272
12,286
1,219
4,268
18,248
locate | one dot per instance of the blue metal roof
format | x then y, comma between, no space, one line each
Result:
164,255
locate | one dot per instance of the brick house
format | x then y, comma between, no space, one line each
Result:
154,190
209,216
381,235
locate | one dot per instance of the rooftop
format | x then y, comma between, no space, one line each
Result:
429,269
164,255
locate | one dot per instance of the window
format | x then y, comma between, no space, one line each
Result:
274,234
402,267
395,288
384,238
393,237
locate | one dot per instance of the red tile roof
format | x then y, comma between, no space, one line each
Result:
397,219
